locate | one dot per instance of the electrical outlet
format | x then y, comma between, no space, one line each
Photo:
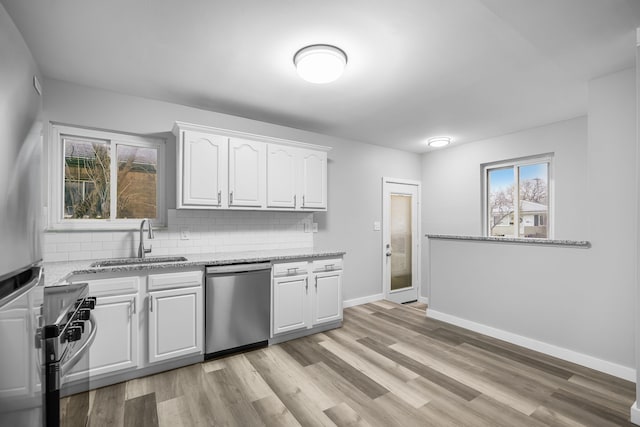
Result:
184,234
314,227
376,226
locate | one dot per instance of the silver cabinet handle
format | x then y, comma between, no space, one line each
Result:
306,284
151,303
294,200
316,284
303,200
231,198
329,267
292,270
135,310
219,197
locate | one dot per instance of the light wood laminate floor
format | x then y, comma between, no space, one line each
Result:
388,365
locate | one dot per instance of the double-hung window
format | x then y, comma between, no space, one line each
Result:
517,197
104,180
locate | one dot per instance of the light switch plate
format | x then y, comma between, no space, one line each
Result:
376,226
184,234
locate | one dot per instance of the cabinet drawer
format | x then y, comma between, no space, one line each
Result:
113,286
290,269
327,264
181,279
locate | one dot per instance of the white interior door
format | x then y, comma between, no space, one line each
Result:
401,240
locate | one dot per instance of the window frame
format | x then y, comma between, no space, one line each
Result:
515,164
56,164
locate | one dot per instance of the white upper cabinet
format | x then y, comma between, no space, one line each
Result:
313,178
219,168
202,165
247,173
281,176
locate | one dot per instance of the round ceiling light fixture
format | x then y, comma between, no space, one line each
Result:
439,141
320,63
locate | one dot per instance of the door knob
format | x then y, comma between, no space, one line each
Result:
388,253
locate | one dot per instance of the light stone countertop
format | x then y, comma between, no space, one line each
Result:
528,241
58,272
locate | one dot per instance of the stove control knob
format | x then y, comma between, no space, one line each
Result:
83,314
78,324
89,303
73,333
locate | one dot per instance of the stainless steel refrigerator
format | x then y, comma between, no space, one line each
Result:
21,282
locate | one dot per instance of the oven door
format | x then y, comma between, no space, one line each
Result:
74,378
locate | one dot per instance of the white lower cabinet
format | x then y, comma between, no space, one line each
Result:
327,305
175,323
116,346
306,294
290,303
128,337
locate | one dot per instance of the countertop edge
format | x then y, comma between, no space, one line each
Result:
583,244
82,268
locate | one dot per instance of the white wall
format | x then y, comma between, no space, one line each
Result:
582,300
355,169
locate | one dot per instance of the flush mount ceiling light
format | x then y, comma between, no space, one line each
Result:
320,63
439,141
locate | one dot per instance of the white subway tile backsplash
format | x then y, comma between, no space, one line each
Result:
209,232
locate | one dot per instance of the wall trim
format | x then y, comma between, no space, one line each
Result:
607,367
362,300
635,413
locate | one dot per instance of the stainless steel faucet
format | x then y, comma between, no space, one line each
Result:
141,249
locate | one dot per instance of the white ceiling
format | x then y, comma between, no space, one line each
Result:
417,68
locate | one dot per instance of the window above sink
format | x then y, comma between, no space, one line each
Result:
104,180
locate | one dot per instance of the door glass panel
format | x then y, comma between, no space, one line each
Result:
500,206
400,228
534,200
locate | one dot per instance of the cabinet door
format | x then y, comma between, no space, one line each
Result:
313,178
204,170
115,346
281,176
175,323
247,176
327,304
16,353
290,303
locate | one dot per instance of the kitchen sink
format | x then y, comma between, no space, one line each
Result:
135,261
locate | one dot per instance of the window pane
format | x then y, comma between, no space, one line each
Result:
137,178
534,200
87,176
500,185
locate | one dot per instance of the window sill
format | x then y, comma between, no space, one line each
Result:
583,244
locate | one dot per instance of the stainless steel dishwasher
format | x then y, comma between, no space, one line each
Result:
237,311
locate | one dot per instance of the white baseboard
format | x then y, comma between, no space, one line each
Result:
635,413
610,368
363,300
373,298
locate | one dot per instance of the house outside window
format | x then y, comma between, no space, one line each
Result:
104,180
517,196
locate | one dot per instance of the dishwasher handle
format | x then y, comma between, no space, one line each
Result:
238,268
